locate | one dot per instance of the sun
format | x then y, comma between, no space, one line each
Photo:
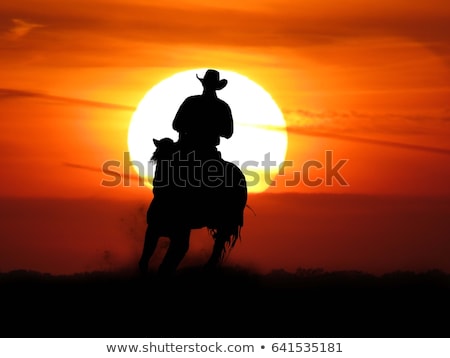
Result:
259,142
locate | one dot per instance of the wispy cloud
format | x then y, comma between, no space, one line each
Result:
81,27
133,177
8,93
354,137
319,122
353,121
425,131
21,28
386,143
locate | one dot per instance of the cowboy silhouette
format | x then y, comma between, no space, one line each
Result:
182,202
202,119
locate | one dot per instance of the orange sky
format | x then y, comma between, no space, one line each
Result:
377,70
368,80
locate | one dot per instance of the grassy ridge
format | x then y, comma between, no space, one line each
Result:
233,302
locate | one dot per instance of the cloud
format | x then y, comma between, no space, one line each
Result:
21,28
353,121
8,93
109,172
372,128
84,23
386,143
301,122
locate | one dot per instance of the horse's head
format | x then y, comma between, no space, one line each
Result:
164,149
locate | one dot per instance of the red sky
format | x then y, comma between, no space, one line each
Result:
369,81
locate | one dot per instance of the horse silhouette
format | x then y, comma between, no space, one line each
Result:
191,192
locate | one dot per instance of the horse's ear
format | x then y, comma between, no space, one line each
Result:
156,141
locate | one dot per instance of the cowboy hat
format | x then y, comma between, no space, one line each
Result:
211,80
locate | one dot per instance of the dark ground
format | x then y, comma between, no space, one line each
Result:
233,303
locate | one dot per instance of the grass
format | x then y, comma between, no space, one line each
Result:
233,302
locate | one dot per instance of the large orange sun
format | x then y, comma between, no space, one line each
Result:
253,144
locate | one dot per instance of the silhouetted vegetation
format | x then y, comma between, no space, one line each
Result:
233,302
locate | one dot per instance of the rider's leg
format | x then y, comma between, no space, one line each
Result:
178,247
151,240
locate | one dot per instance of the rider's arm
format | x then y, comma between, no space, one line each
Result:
227,124
179,123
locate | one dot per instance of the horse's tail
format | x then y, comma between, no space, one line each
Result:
229,238
234,236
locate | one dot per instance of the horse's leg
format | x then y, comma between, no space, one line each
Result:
151,240
179,245
218,251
